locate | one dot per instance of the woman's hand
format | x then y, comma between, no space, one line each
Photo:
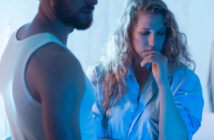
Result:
159,65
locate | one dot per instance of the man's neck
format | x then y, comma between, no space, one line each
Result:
43,23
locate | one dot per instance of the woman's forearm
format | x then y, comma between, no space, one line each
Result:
171,125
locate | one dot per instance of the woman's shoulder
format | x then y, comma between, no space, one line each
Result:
96,72
185,77
183,71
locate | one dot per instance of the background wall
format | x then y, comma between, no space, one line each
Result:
194,18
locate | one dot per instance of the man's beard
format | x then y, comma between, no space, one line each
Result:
78,22
81,23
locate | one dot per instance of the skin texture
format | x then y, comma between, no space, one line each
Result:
149,33
54,76
148,39
76,13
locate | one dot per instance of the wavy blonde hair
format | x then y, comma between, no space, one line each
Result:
112,75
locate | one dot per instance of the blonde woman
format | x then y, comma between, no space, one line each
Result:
147,90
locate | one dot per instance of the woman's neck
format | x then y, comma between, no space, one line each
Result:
141,74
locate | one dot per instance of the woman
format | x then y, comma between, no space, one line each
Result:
146,90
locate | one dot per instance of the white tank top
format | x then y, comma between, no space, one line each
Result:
23,111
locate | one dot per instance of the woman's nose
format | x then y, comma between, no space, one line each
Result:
151,40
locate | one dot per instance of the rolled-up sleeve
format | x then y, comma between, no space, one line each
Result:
187,93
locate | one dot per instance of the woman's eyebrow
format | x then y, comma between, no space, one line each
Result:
162,28
146,28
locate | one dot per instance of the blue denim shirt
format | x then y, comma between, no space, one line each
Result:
133,120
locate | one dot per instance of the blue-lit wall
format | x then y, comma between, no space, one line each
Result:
195,18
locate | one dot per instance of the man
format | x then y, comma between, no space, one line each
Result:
41,81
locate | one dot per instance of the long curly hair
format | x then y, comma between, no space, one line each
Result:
112,75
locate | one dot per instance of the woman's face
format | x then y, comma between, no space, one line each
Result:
149,33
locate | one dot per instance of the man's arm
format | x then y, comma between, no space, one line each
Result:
55,78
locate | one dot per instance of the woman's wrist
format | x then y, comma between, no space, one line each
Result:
163,85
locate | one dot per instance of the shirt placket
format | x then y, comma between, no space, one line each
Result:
139,110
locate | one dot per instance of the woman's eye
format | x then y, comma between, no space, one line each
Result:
145,33
161,33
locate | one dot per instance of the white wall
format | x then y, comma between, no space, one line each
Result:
90,45
201,38
196,20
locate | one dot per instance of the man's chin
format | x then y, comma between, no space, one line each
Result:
80,22
83,26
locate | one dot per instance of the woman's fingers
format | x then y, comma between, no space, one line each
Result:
152,56
148,52
150,59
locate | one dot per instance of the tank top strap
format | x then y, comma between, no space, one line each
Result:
26,48
38,40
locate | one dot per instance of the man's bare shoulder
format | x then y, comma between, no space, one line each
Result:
52,52
54,68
